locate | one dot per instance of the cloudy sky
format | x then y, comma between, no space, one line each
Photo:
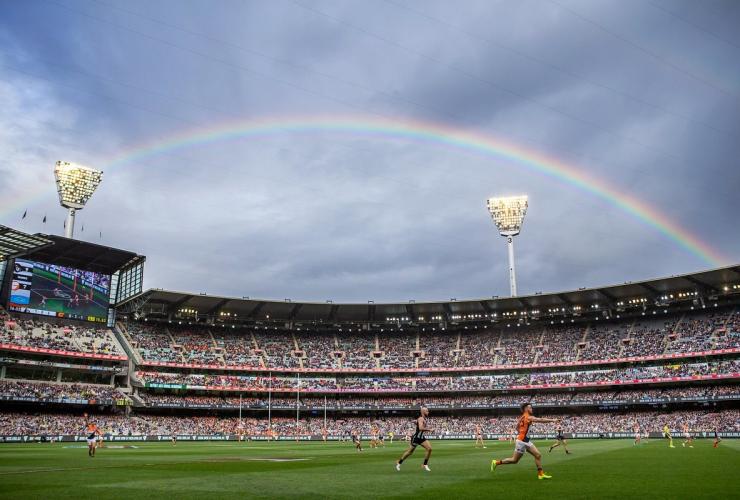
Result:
642,95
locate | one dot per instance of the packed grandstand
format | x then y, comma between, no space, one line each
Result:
182,372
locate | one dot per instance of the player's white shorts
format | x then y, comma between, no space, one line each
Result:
686,435
90,441
637,435
523,446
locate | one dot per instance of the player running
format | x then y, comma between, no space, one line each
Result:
667,435
523,443
687,437
356,440
560,441
717,439
418,439
479,437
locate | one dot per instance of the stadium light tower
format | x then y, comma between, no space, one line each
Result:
508,214
75,184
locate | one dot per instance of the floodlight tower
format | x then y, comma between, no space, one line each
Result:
508,214
75,184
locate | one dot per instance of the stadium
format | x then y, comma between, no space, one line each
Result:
113,384
277,382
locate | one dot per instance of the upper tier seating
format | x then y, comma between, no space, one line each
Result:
497,345
71,337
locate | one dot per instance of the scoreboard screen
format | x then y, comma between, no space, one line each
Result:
62,292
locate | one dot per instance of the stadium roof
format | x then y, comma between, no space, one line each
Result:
705,284
82,255
15,243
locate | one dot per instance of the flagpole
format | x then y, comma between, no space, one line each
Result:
298,403
269,403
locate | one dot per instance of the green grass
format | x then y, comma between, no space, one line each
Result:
596,469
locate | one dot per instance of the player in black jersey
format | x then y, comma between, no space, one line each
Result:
418,439
560,441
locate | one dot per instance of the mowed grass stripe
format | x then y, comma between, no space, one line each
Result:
596,469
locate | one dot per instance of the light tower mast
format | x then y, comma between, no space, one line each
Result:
75,184
508,214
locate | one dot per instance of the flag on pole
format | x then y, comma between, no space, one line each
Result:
44,221
24,214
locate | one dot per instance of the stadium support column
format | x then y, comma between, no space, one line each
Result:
512,272
69,228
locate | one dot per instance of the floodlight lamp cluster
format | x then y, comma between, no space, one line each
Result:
75,183
508,213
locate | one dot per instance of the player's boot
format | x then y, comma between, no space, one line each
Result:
426,468
398,467
543,475
494,464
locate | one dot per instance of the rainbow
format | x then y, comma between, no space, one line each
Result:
436,134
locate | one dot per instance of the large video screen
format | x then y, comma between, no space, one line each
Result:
63,292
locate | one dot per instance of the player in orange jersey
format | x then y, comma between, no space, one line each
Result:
717,439
92,432
523,444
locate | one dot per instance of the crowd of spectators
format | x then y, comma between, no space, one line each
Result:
194,348
319,349
500,345
446,383
25,389
470,401
68,337
237,347
602,422
153,343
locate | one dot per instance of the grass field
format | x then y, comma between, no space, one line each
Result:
596,469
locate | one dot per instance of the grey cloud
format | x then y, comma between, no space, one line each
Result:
354,217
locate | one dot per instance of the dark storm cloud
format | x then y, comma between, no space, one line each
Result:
624,91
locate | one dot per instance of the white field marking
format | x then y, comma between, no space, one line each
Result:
212,460
106,447
63,469
277,459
